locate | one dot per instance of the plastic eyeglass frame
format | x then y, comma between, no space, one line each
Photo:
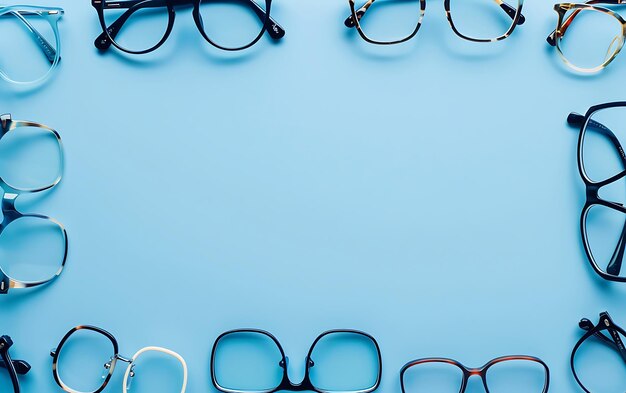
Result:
13,367
10,212
286,384
469,372
592,188
356,15
104,41
52,15
563,24
113,361
615,342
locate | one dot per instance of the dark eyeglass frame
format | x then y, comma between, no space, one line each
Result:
10,212
592,188
605,323
104,41
356,15
469,372
286,384
13,367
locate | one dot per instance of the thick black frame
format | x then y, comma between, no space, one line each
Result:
592,188
107,38
286,384
351,21
55,357
605,323
469,372
13,367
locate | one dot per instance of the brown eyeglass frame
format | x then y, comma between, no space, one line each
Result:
470,372
564,23
356,14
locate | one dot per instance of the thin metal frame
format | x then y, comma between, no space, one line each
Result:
356,14
286,384
480,372
554,39
10,195
592,188
50,14
130,370
104,41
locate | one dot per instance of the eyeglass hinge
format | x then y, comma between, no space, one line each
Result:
5,118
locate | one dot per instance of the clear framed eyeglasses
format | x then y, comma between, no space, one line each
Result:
86,358
33,247
30,41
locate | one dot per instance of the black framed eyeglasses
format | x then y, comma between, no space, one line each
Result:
33,247
507,374
598,359
13,368
142,26
253,361
388,22
602,167
87,356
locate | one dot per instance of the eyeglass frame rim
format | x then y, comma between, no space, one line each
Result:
481,371
99,7
10,194
592,189
357,25
286,384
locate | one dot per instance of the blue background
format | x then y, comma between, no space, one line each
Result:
425,193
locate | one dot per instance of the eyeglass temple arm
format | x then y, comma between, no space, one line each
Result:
615,343
615,264
103,42
21,366
47,49
510,10
563,28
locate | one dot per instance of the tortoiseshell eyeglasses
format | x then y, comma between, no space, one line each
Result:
142,26
588,37
507,374
394,21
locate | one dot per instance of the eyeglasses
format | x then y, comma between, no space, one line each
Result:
86,358
602,167
395,21
253,361
595,35
29,36
142,26
599,358
12,367
509,374
33,247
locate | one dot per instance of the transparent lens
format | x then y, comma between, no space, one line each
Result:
232,24
600,367
390,20
155,372
344,362
589,37
482,19
606,236
516,376
30,158
27,44
83,360
32,249
248,362
433,377
602,151
138,28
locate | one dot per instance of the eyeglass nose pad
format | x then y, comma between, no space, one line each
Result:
310,362
284,363
107,368
585,324
131,377
619,40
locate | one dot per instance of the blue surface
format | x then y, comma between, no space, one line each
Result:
426,193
